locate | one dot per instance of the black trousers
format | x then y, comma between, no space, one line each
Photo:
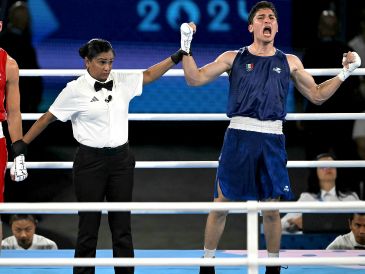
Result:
99,174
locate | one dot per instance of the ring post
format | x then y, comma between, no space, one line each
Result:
252,237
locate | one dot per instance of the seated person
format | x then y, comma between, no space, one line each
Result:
321,187
23,228
355,239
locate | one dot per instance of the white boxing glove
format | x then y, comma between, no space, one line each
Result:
186,37
18,171
346,72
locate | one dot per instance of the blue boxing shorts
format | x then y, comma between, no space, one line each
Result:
252,166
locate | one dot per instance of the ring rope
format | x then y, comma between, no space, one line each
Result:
221,116
171,72
201,164
186,207
252,261
179,261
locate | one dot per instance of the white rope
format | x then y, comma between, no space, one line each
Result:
185,207
178,261
221,116
310,164
324,116
201,164
253,261
313,261
171,72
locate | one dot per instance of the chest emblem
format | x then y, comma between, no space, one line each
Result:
277,69
249,67
94,99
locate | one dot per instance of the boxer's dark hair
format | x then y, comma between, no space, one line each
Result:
261,5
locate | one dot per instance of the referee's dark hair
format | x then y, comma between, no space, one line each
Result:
94,47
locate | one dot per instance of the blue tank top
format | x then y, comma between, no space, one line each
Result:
258,86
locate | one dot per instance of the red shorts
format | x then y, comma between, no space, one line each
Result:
3,163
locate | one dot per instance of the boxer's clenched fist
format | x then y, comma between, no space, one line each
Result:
350,62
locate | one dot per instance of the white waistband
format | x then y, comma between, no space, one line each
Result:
252,124
1,131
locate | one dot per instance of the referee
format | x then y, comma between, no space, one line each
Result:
97,104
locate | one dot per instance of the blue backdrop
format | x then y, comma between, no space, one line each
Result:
144,32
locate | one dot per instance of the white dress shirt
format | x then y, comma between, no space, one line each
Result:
39,242
346,241
329,196
95,121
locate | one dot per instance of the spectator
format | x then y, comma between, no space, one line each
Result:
16,40
325,135
321,187
355,239
23,227
358,133
358,44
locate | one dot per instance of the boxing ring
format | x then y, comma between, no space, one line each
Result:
251,261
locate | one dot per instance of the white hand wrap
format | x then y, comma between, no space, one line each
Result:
18,171
346,72
186,37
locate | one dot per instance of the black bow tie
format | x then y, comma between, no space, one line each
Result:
108,85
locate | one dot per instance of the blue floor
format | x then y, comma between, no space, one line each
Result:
177,254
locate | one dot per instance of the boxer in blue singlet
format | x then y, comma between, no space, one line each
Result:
253,159
252,164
